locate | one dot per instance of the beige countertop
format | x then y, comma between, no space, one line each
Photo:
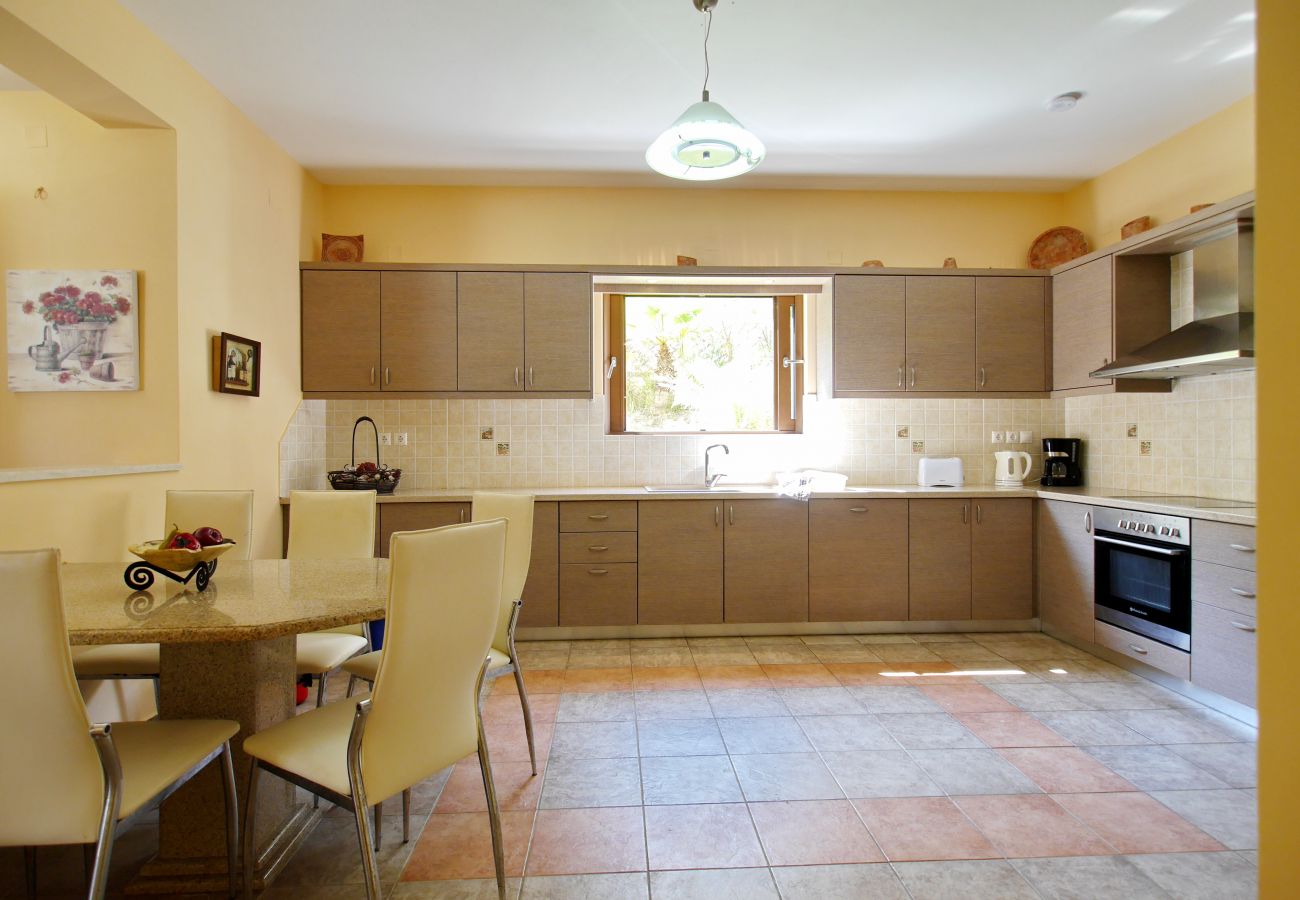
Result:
1136,500
245,601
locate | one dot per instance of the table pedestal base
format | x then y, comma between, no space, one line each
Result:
252,683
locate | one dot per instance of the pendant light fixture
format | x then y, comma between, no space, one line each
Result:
706,143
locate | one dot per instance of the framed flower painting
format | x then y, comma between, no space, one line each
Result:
72,330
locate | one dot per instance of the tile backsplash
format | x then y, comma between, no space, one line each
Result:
1200,439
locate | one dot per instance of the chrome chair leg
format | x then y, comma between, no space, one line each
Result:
108,817
320,689
494,811
250,805
406,816
232,818
528,713
157,695
352,684
379,827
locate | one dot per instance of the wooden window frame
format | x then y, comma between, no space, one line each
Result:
787,382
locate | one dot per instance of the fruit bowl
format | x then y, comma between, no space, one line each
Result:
178,559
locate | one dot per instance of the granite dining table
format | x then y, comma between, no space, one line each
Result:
227,653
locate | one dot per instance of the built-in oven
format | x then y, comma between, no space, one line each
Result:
1144,574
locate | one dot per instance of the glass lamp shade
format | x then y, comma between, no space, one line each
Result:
706,143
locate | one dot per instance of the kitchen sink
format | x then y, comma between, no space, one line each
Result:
692,489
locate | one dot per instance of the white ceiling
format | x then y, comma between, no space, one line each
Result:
844,92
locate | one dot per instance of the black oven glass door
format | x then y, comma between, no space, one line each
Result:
1146,583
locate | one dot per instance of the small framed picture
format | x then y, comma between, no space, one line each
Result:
236,365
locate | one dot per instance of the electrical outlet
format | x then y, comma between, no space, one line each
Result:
385,439
485,434
1013,437
1026,437
995,437
403,439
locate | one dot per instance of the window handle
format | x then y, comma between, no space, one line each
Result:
609,369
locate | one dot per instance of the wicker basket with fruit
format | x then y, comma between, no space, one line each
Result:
365,476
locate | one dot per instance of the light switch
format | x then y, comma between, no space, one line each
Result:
1026,437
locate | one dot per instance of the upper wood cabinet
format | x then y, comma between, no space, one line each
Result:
490,331
557,331
1065,566
418,331
1010,334
857,560
340,331
680,562
939,559
1081,324
940,333
766,561
869,333
1002,545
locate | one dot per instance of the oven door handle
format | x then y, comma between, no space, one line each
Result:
1160,550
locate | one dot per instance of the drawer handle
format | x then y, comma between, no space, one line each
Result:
1242,547
1250,595
1242,626
1136,649
598,571
597,549
857,509
598,518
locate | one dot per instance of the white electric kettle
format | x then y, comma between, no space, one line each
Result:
1012,467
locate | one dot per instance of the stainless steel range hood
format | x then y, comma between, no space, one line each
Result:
1221,335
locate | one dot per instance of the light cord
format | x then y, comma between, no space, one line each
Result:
707,30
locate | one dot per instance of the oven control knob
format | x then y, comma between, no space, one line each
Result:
1150,529
1124,523
1164,529
1174,532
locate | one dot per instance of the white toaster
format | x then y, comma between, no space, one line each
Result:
940,472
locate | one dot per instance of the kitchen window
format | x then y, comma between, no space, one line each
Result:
711,364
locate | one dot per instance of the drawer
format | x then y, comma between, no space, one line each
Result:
598,594
1134,646
1223,586
598,515
598,547
1223,652
1227,545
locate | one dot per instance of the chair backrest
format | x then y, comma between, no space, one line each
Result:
230,512
444,588
517,510
51,780
331,525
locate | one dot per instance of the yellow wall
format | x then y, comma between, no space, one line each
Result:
111,204
1211,161
640,226
1278,336
245,214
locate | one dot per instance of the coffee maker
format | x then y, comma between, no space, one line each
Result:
1061,466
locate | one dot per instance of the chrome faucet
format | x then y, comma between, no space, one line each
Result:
711,480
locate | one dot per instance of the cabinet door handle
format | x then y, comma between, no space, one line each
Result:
965,513
1242,626
983,377
731,515
1136,649
912,377
900,376
1242,547
388,375
598,517
598,571
979,513
717,516
518,381
372,374
531,383
1249,595
857,509
1087,521
596,548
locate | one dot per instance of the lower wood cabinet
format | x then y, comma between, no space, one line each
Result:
680,562
1065,568
415,517
542,590
857,560
1224,652
939,559
765,574
602,594
1002,546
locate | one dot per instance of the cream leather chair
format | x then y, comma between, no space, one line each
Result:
331,525
423,715
231,512
517,510
64,780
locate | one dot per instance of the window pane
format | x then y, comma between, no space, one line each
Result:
699,364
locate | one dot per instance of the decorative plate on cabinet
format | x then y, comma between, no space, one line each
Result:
1057,245
342,247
